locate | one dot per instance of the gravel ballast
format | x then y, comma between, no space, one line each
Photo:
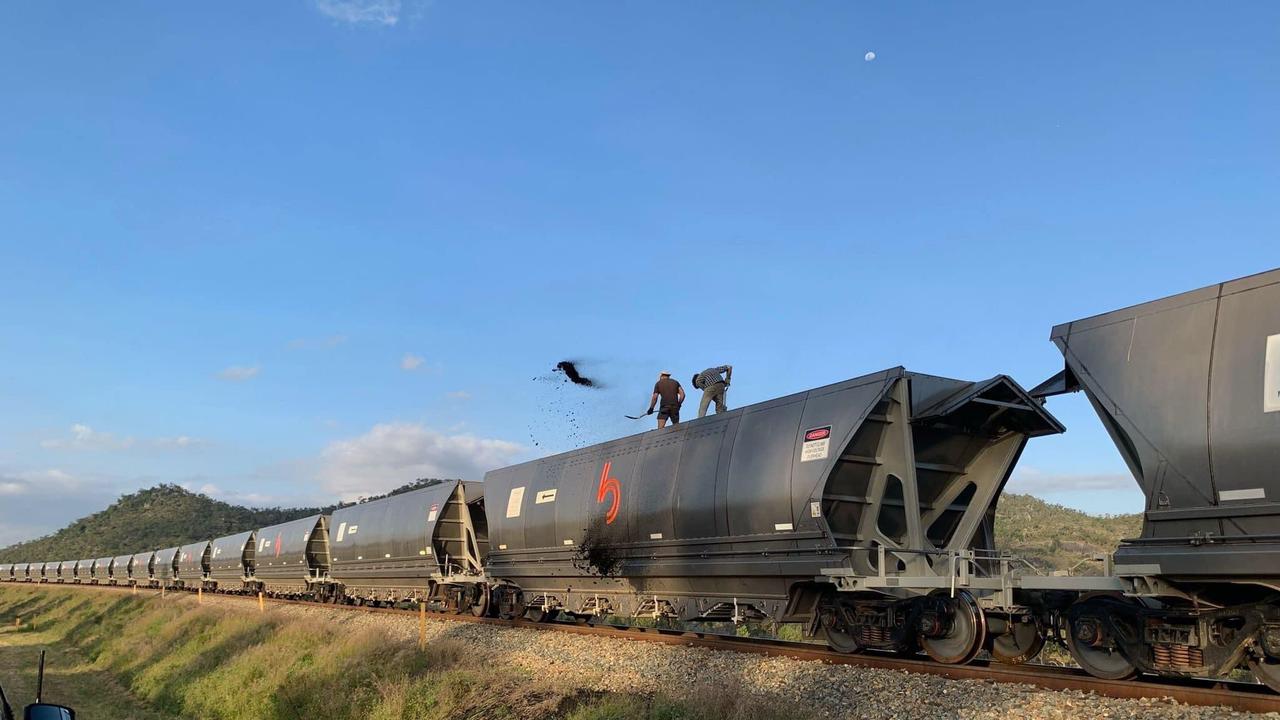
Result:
581,662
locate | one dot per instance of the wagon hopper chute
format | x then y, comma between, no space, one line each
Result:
417,545
842,507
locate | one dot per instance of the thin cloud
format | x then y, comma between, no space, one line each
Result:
235,497
458,395
1035,482
180,442
36,502
392,454
83,437
361,12
33,483
239,373
410,362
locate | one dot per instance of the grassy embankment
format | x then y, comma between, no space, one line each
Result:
114,655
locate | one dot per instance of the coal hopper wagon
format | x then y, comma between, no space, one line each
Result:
423,545
1188,387
231,563
863,510
140,566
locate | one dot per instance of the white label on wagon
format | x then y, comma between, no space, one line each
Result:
782,526
545,496
815,509
342,531
435,512
1271,376
514,501
1245,494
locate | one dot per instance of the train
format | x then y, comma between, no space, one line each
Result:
862,510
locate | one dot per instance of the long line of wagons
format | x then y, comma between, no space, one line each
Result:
862,510
391,550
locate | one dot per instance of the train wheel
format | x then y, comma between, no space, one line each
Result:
537,614
1267,672
1021,643
954,629
838,640
480,602
1091,644
834,631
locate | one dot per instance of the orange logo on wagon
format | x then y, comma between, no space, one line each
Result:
609,486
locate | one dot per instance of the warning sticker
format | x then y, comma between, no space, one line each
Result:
435,512
1271,376
514,501
817,444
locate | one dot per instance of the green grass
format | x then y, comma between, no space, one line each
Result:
152,659
71,678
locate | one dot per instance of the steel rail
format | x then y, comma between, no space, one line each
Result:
1246,697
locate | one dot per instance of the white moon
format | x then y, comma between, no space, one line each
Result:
869,56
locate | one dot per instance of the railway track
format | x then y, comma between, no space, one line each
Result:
1247,697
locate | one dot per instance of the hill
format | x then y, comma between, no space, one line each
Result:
159,517
1054,537
162,516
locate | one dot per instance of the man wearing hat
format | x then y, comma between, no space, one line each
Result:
672,398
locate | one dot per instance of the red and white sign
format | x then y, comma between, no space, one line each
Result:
816,445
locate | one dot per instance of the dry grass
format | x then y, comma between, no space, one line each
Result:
173,659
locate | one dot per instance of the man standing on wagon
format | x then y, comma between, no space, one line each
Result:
713,387
672,396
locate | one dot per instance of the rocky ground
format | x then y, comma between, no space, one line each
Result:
811,689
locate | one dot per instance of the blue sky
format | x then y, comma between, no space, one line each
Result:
285,252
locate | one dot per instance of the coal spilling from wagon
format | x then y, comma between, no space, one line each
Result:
575,406
570,371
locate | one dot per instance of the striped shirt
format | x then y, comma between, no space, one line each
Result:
709,377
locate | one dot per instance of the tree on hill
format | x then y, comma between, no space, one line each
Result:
1053,537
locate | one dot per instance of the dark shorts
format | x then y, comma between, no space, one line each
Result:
671,413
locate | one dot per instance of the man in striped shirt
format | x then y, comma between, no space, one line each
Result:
713,387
